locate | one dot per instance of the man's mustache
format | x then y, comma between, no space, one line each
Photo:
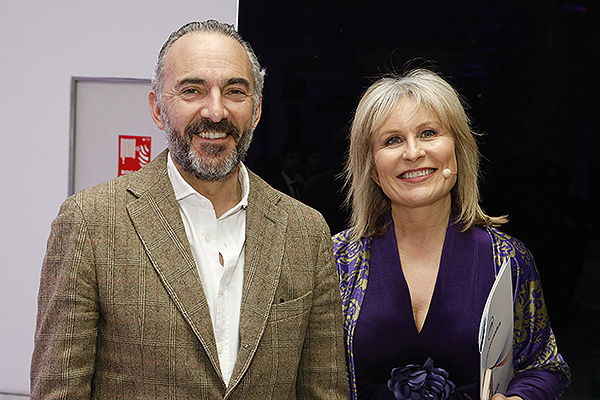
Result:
206,125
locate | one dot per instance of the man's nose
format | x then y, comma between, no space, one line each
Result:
214,107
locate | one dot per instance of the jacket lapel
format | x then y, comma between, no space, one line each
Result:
157,220
266,223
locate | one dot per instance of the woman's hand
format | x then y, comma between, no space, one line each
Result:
500,396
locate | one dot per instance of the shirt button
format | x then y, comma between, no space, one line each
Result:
207,237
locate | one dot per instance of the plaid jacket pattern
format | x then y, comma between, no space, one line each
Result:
122,314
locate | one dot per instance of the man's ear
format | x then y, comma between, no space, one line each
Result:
155,110
258,112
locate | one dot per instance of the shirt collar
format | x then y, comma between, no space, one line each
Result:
183,189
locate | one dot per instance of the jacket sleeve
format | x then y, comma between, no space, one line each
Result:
322,370
540,371
63,359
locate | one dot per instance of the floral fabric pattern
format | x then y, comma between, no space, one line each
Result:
534,344
416,382
353,258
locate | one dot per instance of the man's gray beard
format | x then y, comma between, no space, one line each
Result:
202,168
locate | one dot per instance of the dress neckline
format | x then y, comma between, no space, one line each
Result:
388,241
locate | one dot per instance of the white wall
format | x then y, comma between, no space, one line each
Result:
42,45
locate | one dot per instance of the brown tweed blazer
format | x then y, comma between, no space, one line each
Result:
122,314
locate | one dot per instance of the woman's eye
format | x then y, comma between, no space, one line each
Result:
428,133
393,140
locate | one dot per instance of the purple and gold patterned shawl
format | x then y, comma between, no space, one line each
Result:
535,358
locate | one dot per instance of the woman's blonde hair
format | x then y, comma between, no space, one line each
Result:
425,88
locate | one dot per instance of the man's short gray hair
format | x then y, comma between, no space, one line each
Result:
209,26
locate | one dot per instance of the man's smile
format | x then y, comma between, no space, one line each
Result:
212,135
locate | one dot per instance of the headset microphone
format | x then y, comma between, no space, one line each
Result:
447,173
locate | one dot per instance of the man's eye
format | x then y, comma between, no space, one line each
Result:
190,91
237,92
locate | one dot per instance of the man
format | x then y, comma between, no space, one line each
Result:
286,178
191,278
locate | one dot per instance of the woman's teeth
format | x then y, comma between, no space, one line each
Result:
418,173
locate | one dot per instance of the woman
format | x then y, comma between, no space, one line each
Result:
419,261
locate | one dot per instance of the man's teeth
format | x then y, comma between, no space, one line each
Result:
212,135
416,174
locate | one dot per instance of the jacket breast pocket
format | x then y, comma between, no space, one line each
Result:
274,369
291,308
277,358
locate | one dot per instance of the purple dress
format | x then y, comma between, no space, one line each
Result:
380,331
386,336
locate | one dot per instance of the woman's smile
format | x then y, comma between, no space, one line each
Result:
417,173
410,148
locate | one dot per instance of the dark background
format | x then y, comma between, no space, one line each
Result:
528,71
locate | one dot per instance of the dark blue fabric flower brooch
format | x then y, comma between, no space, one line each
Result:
416,382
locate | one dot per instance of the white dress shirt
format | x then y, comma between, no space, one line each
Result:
214,240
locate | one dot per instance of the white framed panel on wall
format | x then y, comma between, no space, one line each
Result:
39,122
112,132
